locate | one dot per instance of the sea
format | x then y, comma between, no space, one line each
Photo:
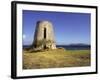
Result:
75,47
69,47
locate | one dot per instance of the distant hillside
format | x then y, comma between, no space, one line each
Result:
75,46
79,44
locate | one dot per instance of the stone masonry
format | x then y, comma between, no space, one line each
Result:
44,36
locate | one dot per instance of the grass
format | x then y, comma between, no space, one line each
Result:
56,58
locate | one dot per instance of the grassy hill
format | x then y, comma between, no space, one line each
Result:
56,58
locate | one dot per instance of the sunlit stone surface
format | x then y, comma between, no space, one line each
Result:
44,36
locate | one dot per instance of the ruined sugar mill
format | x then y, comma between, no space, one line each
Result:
44,36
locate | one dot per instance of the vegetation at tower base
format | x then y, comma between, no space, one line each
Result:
43,42
40,44
56,58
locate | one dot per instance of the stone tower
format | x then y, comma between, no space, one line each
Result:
44,36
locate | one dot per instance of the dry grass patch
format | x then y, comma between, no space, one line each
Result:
56,58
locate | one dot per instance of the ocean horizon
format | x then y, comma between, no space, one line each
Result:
68,47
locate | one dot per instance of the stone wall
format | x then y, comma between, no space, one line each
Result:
44,36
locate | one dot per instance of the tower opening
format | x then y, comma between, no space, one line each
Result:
45,38
44,33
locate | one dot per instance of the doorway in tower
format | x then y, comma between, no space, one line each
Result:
45,38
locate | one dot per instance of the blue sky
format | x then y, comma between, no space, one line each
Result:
69,28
